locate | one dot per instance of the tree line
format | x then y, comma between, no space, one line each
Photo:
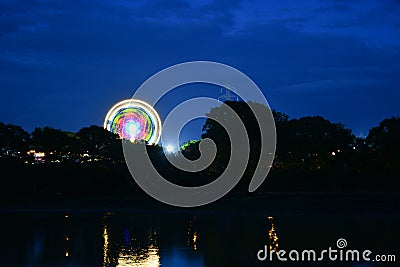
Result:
312,154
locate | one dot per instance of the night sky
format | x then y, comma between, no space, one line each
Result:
63,64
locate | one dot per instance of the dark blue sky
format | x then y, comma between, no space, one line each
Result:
65,63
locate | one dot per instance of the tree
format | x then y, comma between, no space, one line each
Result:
57,145
191,149
316,135
215,131
310,149
384,141
13,140
96,140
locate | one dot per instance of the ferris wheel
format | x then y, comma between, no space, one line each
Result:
134,120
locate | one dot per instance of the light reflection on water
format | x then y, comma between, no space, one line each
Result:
192,235
137,257
132,253
272,236
143,258
153,240
132,248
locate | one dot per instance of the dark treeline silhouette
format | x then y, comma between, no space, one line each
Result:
312,154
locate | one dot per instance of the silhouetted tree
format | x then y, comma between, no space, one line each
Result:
48,140
14,144
384,141
191,150
13,140
98,141
313,154
306,148
317,135
215,131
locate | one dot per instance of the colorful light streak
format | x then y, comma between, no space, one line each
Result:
134,120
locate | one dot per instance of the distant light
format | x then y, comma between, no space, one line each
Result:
333,153
36,154
169,148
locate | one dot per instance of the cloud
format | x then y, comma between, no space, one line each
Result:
100,53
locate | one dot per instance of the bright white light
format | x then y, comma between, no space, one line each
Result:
169,148
133,128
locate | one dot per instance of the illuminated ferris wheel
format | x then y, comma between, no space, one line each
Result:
134,120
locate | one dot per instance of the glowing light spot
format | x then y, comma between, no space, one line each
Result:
194,241
133,128
194,237
169,148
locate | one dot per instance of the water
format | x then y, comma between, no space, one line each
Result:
157,238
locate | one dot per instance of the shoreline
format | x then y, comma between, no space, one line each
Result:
274,202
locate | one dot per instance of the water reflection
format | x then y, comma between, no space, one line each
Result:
272,236
192,235
83,239
195,240
106,247
148,257
67,245
132,252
